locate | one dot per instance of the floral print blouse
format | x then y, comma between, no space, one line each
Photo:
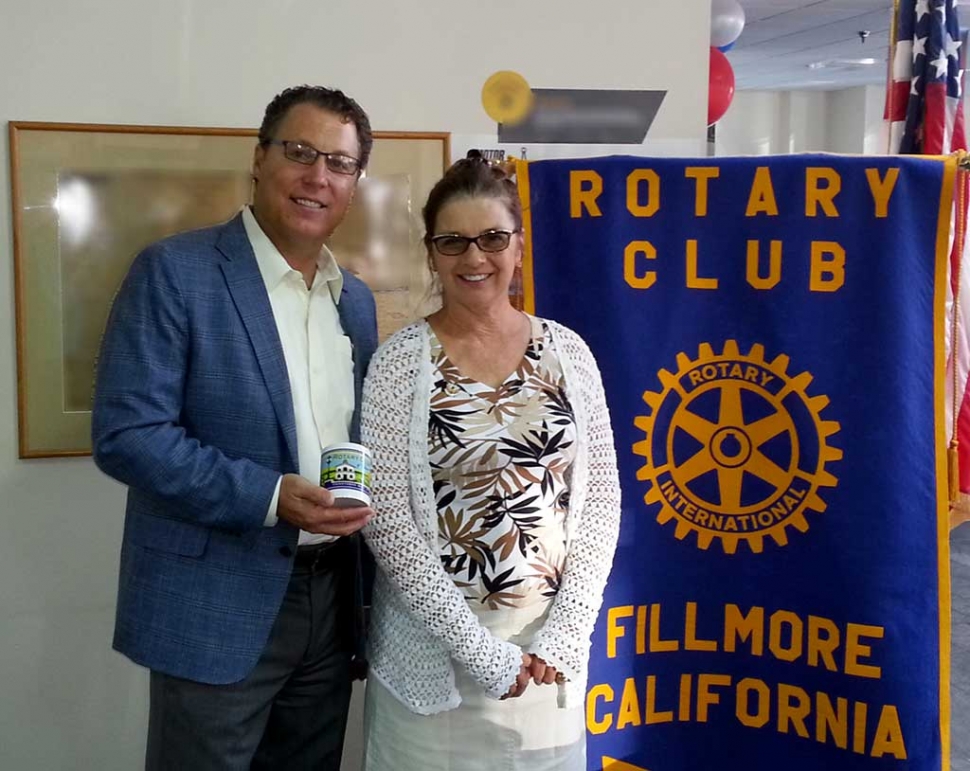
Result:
500,463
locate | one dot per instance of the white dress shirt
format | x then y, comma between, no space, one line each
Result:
318,355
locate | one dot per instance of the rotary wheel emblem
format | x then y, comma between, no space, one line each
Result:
735,448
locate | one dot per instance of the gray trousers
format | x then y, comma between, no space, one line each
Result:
290,712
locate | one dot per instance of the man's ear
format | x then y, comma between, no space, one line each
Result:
258,154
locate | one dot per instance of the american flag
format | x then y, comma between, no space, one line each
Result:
925,101
924,105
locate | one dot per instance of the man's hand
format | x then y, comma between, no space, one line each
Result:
311,508
542,673
522,679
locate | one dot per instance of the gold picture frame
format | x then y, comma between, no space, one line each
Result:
88,197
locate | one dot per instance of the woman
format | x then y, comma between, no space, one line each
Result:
497,509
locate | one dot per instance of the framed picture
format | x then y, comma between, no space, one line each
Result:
87,198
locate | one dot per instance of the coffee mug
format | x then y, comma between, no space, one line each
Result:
345,470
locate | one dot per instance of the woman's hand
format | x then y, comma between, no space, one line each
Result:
522,679
541,672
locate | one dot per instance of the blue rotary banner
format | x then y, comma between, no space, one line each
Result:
771,337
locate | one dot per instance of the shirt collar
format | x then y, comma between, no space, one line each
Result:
273,266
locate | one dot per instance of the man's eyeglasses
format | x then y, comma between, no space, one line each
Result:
452,245
307,155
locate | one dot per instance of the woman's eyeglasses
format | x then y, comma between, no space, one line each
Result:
451,245
307,155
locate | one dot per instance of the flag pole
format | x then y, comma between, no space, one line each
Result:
890,71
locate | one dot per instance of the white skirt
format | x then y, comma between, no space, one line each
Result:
528,733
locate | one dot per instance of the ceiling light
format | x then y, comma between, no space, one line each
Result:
842,64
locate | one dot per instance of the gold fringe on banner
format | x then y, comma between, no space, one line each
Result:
959,501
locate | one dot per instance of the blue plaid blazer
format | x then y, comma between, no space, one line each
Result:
193,412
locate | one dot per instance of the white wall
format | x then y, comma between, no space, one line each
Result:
855,121
66,700
769,122
876,141
772,122
847,120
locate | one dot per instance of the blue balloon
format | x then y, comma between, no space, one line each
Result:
725,49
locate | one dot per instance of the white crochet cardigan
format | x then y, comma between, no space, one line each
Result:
421,621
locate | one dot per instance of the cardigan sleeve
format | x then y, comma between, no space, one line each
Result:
564,640
400,549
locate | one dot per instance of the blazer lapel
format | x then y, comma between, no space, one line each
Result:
248,292
355,326
350,322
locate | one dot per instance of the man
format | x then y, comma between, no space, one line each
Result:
231,357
